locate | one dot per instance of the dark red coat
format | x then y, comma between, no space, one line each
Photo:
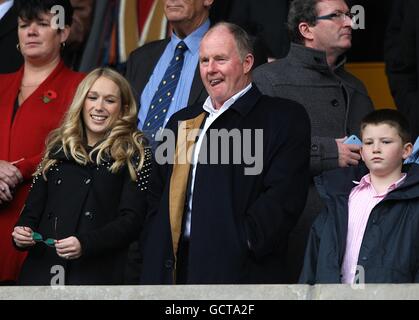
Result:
24,138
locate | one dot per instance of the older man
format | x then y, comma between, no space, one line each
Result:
221,213
164,73
313,74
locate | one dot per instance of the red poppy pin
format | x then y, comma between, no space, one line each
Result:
49,96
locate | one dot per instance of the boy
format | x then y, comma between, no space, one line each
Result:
369,230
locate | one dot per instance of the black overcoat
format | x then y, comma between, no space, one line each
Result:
240,223
104,211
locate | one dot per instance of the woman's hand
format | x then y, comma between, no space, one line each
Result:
10,174
22,236
68,248
5,192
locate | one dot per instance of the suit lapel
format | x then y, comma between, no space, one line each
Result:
149,64
197,88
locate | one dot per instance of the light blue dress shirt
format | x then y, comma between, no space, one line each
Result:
181,95
4,7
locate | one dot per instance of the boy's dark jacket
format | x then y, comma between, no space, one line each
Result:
389,251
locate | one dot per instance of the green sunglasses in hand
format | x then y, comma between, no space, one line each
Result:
38,238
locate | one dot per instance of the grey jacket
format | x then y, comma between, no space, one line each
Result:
335,101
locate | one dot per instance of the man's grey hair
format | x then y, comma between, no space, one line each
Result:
243,41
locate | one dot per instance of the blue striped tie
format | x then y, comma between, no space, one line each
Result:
163,97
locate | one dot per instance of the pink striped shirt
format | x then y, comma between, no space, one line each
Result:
362,200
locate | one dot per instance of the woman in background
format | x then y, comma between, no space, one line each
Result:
33,102
88,199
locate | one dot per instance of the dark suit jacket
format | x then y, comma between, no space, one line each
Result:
240,223
142,62
11,59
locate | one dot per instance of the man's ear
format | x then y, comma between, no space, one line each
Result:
248,63
306,30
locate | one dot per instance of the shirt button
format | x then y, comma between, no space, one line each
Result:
335,103
87,181
58,182
364,258
168,264
314,147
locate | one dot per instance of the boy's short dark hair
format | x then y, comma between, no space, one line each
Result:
390,117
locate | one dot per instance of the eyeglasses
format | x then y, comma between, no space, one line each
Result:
337,16
38,238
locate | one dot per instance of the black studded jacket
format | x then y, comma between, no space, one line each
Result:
103,210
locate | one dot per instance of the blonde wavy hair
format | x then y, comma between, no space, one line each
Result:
122,143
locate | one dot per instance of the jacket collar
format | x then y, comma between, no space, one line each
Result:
243,105
312,58
57,153
339,182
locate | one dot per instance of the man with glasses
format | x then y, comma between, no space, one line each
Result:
313,74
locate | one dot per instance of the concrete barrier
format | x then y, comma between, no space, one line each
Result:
214,292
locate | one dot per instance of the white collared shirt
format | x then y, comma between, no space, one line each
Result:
213,115
4,7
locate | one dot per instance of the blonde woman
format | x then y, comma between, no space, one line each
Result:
88,198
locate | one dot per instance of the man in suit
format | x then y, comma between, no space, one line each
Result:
218,215
313,74
147,65
11,59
